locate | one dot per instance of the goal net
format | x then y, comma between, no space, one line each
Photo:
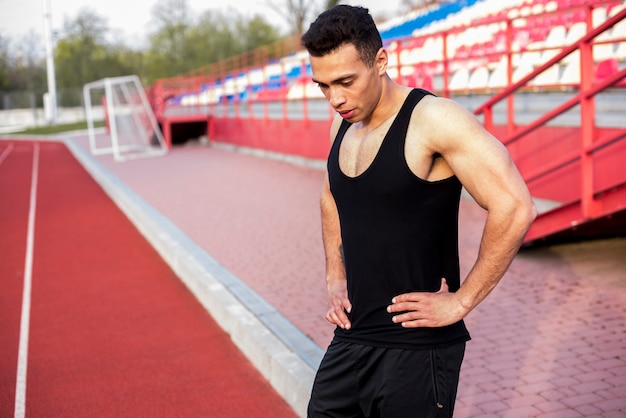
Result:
132,131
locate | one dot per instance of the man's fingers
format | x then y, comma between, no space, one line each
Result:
408,316
419,296
335,320
407,297
418,323
337,316
347,305
399,305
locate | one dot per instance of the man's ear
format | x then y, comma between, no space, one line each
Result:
381,61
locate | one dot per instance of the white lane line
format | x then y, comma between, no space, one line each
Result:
6,153
22,355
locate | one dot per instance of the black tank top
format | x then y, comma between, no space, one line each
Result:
399,235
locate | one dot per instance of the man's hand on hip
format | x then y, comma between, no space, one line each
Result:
427,309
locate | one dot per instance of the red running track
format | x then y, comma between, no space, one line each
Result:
113,332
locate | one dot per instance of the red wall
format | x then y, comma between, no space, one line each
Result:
308,139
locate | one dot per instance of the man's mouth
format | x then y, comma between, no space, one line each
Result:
347,114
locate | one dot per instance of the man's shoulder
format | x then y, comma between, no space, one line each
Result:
427,112
438,122
334,127
433,103
439,113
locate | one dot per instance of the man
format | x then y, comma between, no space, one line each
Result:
389,221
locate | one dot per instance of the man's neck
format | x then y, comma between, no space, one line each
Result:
391,99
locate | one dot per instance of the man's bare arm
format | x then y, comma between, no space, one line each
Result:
335,267
486,170
336,282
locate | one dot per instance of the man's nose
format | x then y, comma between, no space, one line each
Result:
336,99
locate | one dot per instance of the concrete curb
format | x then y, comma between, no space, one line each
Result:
281,352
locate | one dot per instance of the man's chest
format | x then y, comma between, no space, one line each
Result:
358,152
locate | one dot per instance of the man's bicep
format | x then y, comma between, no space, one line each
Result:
483,164
330,216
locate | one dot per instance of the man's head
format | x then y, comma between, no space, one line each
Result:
342,25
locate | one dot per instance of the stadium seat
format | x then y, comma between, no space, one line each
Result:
606,69
411,56
551,6
620,51
305,88
532,57
525,11
256,77
603,51
462,52
513,13
453,42
522,70
615,8
549,77
392,59
575,32
557,36
619,30
571,74
598,16
574,57
556,39
479,78
460,79
407,71
433,49
498,77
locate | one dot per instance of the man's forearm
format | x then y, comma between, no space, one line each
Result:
331,237
333,249
502,238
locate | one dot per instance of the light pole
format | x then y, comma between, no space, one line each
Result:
52,89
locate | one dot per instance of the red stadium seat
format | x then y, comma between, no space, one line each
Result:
606,68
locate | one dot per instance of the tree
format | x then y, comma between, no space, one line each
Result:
331,3
254,33
82,55
299,13
4,63
171,21
22,72
88,26
178,43
216,36
31,64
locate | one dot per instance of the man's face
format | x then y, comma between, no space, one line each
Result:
351,87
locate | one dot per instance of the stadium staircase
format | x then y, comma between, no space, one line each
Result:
546,77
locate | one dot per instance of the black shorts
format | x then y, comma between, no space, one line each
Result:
356,380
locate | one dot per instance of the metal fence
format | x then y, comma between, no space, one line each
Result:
24,99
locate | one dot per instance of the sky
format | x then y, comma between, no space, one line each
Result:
129,20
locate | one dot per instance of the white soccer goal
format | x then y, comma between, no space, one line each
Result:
133,131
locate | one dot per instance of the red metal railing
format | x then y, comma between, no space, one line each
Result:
193,81
590,142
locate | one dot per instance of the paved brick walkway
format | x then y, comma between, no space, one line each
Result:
550,341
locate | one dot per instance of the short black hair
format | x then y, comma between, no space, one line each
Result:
341,25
